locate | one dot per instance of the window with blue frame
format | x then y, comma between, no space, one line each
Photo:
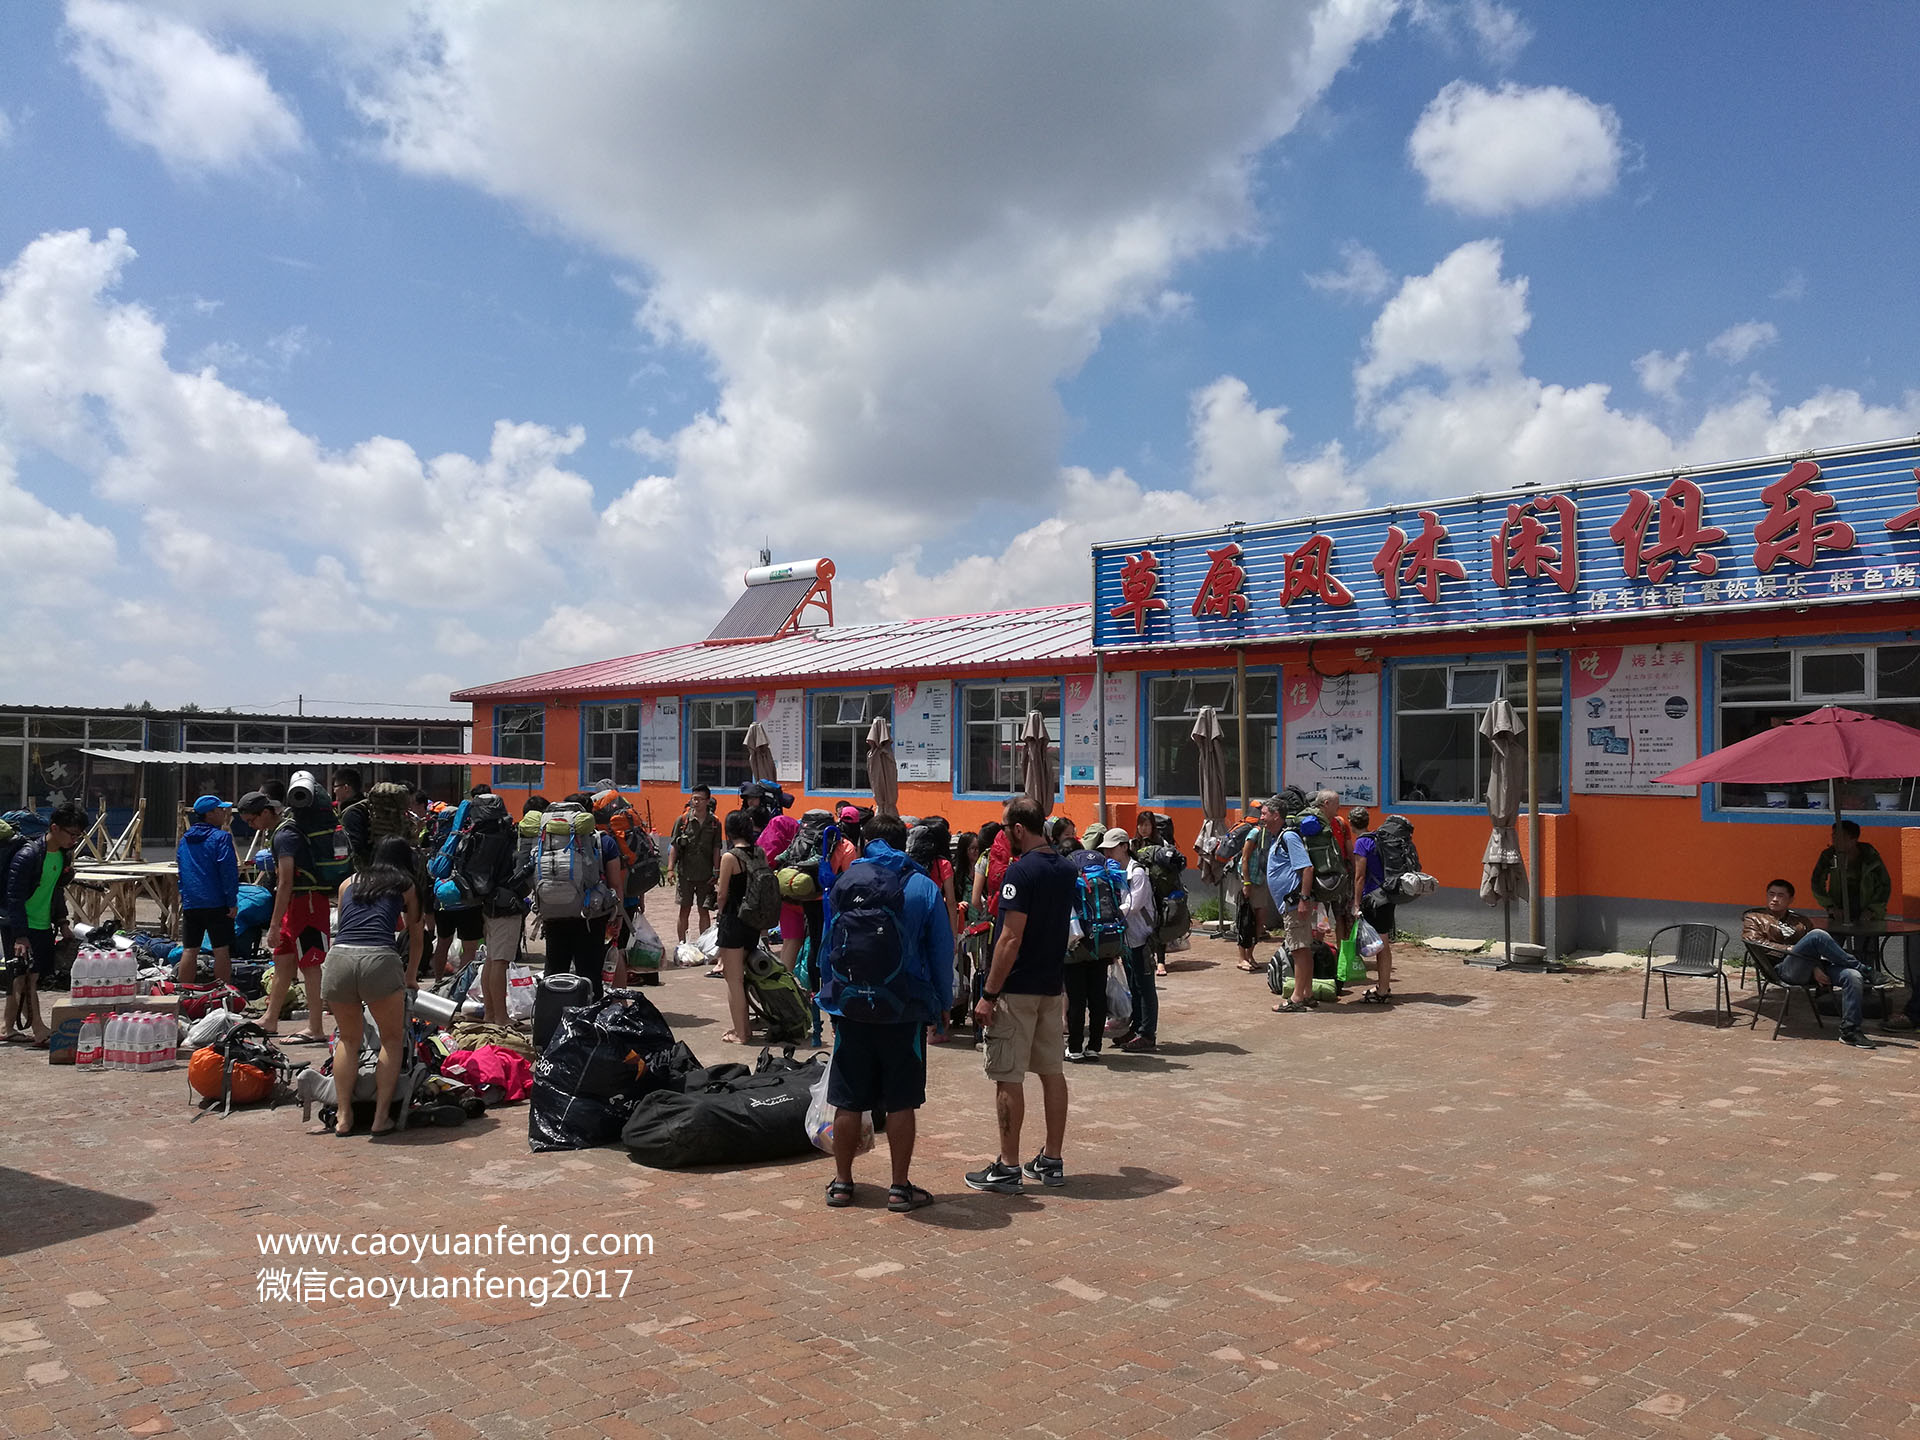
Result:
521,734
717,741
1173,761
840,724
993,717
1439,754
611,754
1755,690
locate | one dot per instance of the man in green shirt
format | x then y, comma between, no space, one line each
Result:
36,921
695,845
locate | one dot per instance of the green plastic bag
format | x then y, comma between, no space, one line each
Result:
1353,970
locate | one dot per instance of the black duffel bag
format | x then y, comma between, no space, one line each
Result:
727,1120
600,1062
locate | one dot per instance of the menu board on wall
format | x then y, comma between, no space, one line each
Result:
1332,735
660,738
1635,715
784,714
923,730
1083,730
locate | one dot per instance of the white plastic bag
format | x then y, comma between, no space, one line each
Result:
688,953
1119,999
519,993
644,950
1369,940
820,1118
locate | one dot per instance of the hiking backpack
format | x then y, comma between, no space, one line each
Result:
774,995
805,848
930,840
760,901
324,860
999,857
863,972
615,814
1332,871
568,882
483,850
1097,894
1400,861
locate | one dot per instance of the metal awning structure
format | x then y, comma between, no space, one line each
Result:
296,759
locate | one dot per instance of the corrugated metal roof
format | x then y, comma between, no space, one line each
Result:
949,645
295,759
762,610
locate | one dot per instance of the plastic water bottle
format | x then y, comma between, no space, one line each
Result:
87,1053
168,1054
120,1041
150,1041
126,979
110,1043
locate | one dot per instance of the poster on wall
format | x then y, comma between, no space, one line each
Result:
1635,715
660,738
923,731
1332,734
784,714
1082,734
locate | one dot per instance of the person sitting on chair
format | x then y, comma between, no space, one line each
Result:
1806,955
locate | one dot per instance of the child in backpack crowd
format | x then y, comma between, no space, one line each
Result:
209,889
363,968
735,936
36,917
1372,903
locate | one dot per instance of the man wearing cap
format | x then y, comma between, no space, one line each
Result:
209,889
302,906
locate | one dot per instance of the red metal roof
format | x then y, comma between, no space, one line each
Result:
949,645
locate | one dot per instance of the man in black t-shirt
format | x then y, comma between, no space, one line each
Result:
1022,1008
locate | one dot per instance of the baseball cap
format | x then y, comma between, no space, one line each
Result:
254,801
207,804
1112,840
850,812
302,780
1090,837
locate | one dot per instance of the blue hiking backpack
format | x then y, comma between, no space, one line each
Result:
1098,890
441,835
864,974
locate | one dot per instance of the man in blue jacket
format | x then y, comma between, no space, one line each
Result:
886,974
209,888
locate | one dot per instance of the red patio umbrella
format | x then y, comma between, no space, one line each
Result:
1830,744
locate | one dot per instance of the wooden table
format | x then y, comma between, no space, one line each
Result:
121,888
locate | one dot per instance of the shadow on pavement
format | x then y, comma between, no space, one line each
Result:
972,1211
1132,1183
1120,1062
36,1212
1199,1047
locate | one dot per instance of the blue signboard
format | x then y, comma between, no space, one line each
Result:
1821,528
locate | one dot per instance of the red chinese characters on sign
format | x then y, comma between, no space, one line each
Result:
1222,589
1522,544
1139,589
1793,530
1310,572
1680,533
1416,563
1907,519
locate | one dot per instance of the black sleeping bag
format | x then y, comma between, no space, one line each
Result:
604,1057
723,1118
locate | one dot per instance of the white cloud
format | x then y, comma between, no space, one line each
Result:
1462,318
169,87
1361,276
1491,152
456,637
34,536
1737,342
1660,374
1793,286
1500,33
1239,455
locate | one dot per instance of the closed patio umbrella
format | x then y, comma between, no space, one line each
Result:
759,752
1035,774
1209,740
883,771
1503,873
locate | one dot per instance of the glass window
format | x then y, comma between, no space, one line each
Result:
209,735
1877,679
56,727
840,725
434,737
329,737
110,732
995,717
717,733
263,737
1439,755
13,774
520,733
14,725
612,756
1173,762
391,738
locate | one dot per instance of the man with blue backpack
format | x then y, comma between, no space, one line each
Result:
1100,940
886,974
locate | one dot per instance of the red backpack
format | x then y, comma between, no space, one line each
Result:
999,857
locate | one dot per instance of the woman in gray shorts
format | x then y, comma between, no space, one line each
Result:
364,968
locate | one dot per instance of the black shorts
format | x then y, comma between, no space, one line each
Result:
469,924
215,925
736,934
878,1067
1379,914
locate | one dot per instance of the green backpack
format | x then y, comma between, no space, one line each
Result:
1332,875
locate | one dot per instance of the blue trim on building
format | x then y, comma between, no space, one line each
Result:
807,733
1390,737
959,726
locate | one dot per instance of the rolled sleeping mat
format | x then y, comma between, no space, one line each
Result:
434,1009
552,995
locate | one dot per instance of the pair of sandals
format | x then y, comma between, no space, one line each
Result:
900,1198
1376,996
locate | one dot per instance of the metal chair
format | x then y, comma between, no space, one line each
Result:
1696,956
1766,971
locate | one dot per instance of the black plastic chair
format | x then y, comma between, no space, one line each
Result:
1697,955
1766,971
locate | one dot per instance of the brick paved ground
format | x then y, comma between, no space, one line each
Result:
1506,1206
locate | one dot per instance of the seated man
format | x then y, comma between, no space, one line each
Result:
1805,955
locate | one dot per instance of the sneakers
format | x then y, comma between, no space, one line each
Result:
1044,1168
1140,1045
1076,1055
1001,1179
1857,1038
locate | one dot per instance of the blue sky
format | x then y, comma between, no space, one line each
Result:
411,347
